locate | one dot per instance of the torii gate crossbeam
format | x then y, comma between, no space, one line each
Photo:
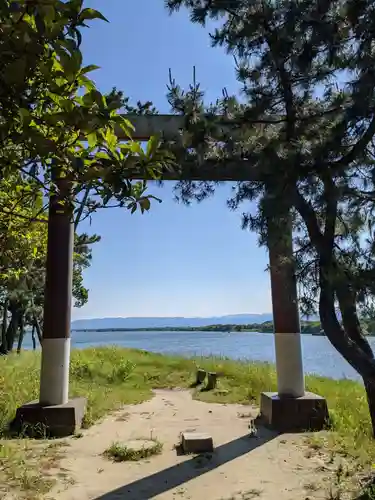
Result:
291,408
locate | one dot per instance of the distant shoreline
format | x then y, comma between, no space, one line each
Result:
203,329
312,328
307,328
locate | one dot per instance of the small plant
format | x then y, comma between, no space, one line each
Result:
33,431
339,485
122,453
331,423
120,372
368,490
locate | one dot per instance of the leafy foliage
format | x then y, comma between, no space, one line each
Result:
23,234
55,124
52,113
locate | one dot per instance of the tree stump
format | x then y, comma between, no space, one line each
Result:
211,381
201,375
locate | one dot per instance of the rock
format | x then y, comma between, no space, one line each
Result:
196,442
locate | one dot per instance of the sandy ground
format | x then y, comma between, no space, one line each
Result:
268,466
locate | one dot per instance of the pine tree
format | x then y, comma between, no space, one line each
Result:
302,134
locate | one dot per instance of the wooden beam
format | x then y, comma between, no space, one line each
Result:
209,171
149,125
169,126
166,125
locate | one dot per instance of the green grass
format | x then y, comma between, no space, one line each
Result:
111,377
121,453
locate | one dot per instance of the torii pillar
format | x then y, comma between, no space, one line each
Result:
56,414
291,408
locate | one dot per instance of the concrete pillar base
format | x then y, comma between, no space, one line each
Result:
53,421
288,414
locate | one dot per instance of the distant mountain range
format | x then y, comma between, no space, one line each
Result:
154,322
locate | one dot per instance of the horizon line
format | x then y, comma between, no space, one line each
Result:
185,317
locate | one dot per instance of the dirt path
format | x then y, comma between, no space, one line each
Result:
266,466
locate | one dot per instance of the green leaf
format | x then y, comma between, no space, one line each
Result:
126,124
24,115
69,44
102,155
76,5
152,146
87,69
78,36
136,147
85,82
110,138
94,96
70,63
145,203
88,14
67,104
47,12
92,139
76,60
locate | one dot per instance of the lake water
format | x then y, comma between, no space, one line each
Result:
319,356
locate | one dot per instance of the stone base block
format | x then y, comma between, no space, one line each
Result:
287,414
196,442
55,421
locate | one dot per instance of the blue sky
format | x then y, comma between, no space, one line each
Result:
174,260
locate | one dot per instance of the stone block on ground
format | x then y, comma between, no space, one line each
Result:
196,442
55,420
211,381
288,414
201,375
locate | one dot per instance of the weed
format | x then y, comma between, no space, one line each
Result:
124,453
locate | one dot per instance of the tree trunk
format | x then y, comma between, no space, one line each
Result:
10,335
38,329
33,337
347,340
352,326
3,345
349,345
22,332
12,329
370,393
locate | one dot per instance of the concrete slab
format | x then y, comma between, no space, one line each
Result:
55,421
197,442
288,414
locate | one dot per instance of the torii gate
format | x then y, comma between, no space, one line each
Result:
291,408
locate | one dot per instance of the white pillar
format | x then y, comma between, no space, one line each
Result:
289,365
54,374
